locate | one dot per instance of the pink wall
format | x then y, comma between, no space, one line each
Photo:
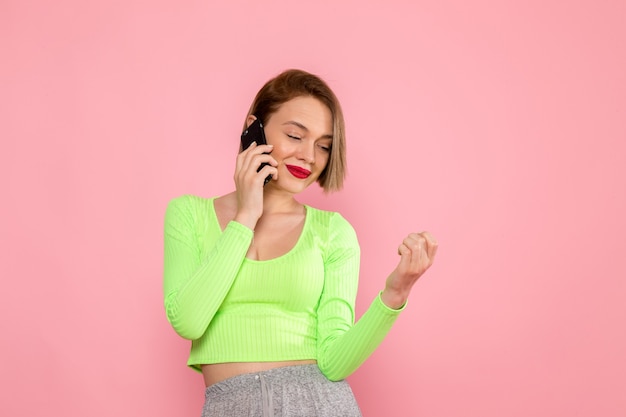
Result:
498,126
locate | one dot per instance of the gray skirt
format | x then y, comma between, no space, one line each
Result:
290,391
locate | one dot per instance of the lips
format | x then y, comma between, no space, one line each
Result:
298,172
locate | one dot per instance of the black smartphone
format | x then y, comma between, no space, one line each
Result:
255,133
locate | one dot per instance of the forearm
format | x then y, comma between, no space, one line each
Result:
342,355
196,292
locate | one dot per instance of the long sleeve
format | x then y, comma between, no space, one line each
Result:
343,346
194,284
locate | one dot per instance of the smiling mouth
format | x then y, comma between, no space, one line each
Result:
298,172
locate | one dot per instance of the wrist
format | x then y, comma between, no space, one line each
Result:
393,299
246,219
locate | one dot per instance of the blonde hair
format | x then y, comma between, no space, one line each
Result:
295,83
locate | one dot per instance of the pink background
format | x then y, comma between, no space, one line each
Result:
498,126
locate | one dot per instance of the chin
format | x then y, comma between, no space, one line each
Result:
293,187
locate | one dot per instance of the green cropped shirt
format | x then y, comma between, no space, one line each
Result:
294,307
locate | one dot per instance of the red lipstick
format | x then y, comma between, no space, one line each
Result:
298,172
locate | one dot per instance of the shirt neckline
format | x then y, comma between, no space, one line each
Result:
295,247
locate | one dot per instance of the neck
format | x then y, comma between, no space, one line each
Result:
279,202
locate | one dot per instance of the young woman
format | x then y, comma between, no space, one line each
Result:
265,286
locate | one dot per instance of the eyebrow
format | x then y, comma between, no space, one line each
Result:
303,127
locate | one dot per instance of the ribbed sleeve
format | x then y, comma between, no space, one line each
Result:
344,354
194,286
342,346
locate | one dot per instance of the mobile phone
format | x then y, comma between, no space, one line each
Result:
255,133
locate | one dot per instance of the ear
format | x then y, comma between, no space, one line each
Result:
251,118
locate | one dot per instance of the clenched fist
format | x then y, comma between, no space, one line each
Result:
417,253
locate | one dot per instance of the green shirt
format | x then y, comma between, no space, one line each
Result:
294,307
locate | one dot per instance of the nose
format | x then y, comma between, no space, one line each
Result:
306,152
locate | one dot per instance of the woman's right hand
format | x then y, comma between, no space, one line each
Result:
249,182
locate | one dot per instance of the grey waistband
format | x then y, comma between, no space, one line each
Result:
300,390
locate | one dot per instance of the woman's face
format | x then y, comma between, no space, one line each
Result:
301,132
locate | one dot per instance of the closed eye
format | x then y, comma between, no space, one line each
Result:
294,137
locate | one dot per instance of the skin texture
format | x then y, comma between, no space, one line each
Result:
299,133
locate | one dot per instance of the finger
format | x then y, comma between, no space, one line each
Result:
416,243
255,149
243,158
431,245
259,160
268,170
267,148
271,161
260,150
405,257
253,160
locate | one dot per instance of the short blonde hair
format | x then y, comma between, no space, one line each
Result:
296,83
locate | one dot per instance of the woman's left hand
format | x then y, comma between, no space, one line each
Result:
417,253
